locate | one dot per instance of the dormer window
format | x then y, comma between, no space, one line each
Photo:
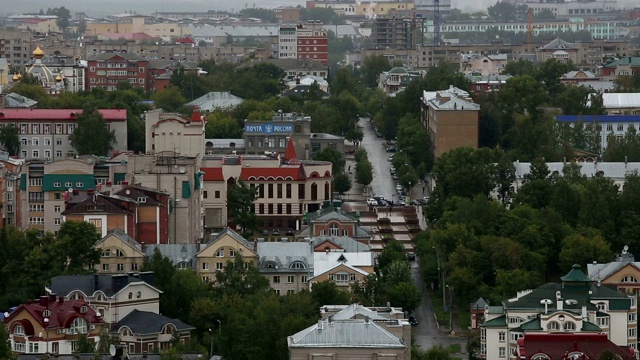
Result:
297,265
334,230
18,330
569,326
79,326
220,253
142,199
553,326
629,279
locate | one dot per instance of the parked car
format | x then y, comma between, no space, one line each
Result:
413,321
394,176
290,232
265,232
275,232
372,202
422,201
414,203
378,197
392,149
398,188
411,256
391,157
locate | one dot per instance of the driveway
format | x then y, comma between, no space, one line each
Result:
382,183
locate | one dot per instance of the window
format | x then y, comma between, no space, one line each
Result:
279,191
629,279
290,279
71,128
219,266
36,154
220,253
205,266
18,330
35,141
120,267
270,187
502,352
24,128
79,326
35,128
79,184
601,306
47,154
553,325
303,279
67,184
334,230
502,337
632,332
58,221
217,194
105,267
106,253
58,153
47,129
515,320
276,279
35,182
290,292
24,141
204,194
19,346
569,326
232,253
277,291
57,208
58,141
33,347
620,127
58,128
288,191
134,266
288,209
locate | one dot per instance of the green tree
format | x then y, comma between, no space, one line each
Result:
436,352
9,139
180,292
405,295
85,346
170,99
505,11
5,344
92,135
399,271
372,67
342,183
343,81
328,293
240,199
545,14
221,125
583,249
505,175
107,338
76,243
241,278
364,172
64,17
393,251
333,156
32,91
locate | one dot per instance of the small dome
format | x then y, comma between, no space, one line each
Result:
15,77
398,70
38,53
58,78
19,76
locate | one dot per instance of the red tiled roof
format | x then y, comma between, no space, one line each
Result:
196,117
212,174
290,153
279,173
62,312
185,40
556,346
8,114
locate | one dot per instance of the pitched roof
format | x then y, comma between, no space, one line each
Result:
146,322
125,56
212,174
13,100
575,275
62,311
479,304
625,61
620,100
177,253
89,284
353,310
17,114
273,173
284,254
556,346
124,237
345,333
344,242
500,321
323,261
290,153
329,213
227,231
216,100
558,43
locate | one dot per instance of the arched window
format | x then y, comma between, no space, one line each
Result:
629,279
18,330
334,230
119,253
539,357
297,265
553,326
601,306
138,295
327,191
569,326
130,295
314,191
78,326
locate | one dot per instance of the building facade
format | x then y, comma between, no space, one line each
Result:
107,70
119,252
15,46
398,32
220,249
287,265
312,42
575,306
452,119
45,133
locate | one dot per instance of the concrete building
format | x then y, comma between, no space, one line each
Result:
52,325
107,70
15,46
287,265
484,64
343,268
626,66
606,126
574,8
623,273
621,103
216,101
287,42
397,79
312,42
138,24
575,306
119,252
113,296
399,32
221,249
146,332
358,9
171,132
288,14
451,118
44,133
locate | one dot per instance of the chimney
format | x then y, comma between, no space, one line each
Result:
44,301
61,299
320,324
584,312
367,320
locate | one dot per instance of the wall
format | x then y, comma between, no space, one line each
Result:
453,129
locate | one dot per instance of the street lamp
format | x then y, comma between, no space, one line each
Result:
450,307
441,275
46,334
211,349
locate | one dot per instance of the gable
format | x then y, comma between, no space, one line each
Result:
146,292
226,241
113,241
616,277
326,244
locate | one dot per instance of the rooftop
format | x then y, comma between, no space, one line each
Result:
350,333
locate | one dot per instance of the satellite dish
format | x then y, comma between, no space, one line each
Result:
112,350
128,192
626,248
70,190
182,170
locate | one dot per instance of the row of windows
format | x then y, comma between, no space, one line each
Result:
219,266
46,128
342,278
119,267
36,141
47,154
290,279
289,292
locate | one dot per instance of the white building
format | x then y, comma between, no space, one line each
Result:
606,125
287,42
575,306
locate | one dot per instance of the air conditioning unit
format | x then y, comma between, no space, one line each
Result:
92,327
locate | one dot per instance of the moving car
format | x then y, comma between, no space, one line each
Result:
290,232
413,321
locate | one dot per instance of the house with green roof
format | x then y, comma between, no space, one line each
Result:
577,305
627,65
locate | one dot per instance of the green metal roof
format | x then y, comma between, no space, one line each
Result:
500,321
531,325
627,60
62,182
575,275
589,326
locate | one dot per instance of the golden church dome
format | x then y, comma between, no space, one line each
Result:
38,53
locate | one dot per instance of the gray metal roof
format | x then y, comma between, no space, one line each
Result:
284,254
342,30
126,56
345,333
612,170
620,100
177,253
146,322
558,43
226,231
108,284
353,310
328,214
106,357
245,30
13,100
216,100
120,234
346,243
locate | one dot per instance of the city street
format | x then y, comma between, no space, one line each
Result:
426,334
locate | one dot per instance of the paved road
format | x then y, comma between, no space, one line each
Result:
382,183
426,333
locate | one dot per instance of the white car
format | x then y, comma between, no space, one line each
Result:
372,202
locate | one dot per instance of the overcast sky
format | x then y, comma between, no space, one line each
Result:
99,8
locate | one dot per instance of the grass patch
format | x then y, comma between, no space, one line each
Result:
438,309
454,349
464,319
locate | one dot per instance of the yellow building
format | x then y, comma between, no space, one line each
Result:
624,273
381,8
138,24
222,248
119,253
343,268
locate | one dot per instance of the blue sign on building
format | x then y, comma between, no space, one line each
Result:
268,128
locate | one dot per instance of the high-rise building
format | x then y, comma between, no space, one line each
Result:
304,41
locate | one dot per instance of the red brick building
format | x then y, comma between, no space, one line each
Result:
313,42
107,70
